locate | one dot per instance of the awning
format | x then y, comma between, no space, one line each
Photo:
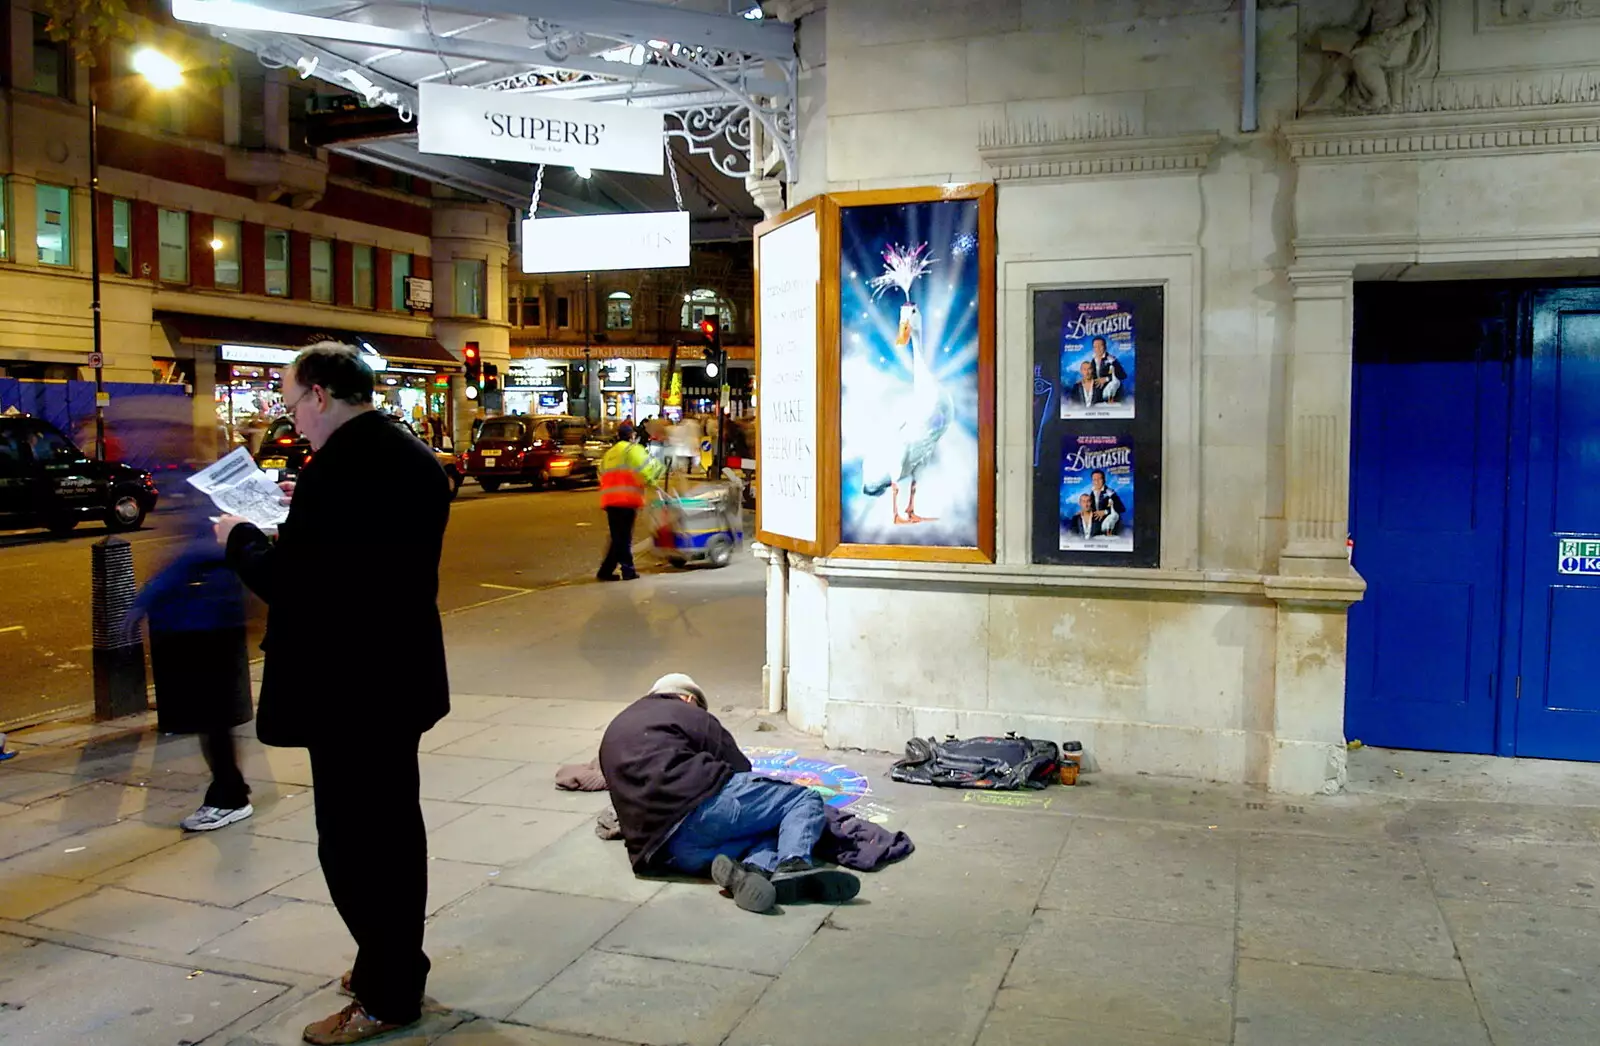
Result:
221,330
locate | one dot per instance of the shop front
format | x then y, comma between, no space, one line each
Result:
536,386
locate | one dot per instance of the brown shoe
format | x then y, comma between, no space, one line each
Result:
351,1024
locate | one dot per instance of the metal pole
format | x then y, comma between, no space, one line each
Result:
1249,110
94,276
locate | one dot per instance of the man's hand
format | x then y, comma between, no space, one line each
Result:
224,527
287,486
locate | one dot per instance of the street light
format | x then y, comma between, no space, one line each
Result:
161,73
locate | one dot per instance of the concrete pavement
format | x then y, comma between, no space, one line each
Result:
1451,900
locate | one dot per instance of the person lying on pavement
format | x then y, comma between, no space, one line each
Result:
688,803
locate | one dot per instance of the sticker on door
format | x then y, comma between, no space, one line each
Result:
1579,557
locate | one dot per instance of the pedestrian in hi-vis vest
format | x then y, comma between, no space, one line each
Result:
625,472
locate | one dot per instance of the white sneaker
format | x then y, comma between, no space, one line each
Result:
210,818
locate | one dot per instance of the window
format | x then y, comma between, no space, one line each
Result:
530,313
54,228
704,304
619,311
122,237
469,288
49,445
399,270
277,262
225,254
563,312
363,288
5,213
52,67
301,100
173,230
321,270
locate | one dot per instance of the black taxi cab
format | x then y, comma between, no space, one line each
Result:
544,451
46,481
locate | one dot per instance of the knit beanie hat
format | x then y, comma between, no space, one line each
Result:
678,683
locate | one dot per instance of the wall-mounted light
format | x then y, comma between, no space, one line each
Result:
161,71
583,172
216,244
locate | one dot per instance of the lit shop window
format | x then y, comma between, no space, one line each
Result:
173,231
702,305
619,311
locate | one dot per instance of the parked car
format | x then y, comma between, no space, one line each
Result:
543,451
284,452
46,481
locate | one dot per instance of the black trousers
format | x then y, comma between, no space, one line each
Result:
228,790
620,551
374,852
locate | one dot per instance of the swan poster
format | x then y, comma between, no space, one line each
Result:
1097,494
909,369
1097,357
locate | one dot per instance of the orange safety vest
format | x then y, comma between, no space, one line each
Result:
622,478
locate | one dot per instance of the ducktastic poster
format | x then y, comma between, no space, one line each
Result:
1097,360
1097,489
910,286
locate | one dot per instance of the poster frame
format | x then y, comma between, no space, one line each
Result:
984,550
827,365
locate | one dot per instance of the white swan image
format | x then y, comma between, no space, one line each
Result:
909,441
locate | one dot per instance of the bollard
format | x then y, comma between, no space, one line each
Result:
119,687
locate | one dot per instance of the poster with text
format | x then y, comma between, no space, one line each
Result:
789,266
1097,490
909,374
1098,347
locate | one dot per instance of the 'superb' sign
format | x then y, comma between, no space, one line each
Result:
498,125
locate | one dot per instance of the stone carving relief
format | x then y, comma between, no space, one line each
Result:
1533,12
1369,62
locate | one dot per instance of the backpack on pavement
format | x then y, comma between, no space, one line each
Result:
1002,763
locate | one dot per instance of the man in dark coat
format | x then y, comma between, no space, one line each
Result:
687,802
371,493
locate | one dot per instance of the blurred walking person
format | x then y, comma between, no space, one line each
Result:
194,611
625,472
371,493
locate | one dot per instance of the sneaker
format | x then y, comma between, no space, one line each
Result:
210,818
351,1024
750,890
827,887
790,865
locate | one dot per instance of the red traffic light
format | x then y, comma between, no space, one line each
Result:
471,351
708,328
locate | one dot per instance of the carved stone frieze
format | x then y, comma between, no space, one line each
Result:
1535,12
1491,132
1369,65
1022,154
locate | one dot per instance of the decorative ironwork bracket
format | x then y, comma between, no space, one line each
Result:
725,131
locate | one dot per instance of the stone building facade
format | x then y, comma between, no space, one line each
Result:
1438,139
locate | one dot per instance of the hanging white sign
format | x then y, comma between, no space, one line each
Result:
499,125
595,242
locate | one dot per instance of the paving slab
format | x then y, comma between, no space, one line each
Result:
301,825
1362,906
448,882
1127,973
297,935
570,715
541,744
534,785
24,786
499,945
1147,871
87,854
649,1001
496,1033
160,923
1284,1005
582,863
885,988
453,776
24,895
93,999
502,835
480,708
1533,970
216,868
1504,822
946,891
1014,1028
1032,835
696,923
1519,872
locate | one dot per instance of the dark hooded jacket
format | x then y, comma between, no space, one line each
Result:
662,757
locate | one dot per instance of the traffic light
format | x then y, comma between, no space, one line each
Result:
491,377
716,361
469,355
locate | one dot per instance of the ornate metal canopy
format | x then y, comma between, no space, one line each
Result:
725,78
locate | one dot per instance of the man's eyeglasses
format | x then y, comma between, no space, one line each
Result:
292,407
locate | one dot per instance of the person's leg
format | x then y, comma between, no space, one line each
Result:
752,819
608,567
374,852
228,790
623,539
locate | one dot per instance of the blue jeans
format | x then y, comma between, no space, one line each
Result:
753,819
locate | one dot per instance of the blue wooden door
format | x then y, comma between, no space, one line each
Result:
1429,447
1555,710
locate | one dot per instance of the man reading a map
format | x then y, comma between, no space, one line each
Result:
370,493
